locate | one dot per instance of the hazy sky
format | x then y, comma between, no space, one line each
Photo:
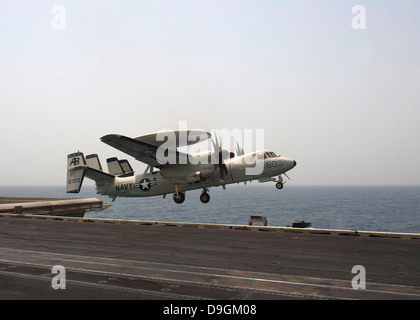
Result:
344,103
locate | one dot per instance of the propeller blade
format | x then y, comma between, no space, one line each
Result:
239,151
220,163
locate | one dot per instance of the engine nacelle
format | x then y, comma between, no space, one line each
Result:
183,175
198,176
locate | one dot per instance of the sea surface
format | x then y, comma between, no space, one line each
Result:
365,208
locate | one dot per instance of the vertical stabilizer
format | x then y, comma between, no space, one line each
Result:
76,166
92,161
114,167
125,165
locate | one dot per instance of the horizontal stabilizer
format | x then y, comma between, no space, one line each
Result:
78,167
98,176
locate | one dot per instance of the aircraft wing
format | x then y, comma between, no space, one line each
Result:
144,148
142,151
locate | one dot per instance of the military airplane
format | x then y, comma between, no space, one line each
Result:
186,171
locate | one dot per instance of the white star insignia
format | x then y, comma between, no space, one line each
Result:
145,185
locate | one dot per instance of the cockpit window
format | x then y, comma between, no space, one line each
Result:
269,154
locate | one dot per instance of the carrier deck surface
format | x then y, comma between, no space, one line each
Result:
115,259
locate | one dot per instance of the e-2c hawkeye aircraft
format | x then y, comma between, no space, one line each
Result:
218,167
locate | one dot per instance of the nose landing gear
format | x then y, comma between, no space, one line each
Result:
279,185
280,182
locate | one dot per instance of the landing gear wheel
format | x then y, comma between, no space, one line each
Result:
205,197
179,197
279,185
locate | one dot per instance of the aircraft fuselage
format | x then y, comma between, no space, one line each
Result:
190,177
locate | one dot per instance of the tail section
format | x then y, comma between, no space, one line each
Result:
125,165
114,167
120,168
92,161
76,169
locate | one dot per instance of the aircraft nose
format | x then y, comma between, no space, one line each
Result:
294,162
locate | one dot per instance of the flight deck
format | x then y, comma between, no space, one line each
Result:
120,259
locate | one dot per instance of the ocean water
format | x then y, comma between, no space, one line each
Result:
366,208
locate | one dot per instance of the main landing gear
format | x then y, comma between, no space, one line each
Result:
179,196
205,197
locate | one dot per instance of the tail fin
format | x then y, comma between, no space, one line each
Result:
92,161
76,168
114,167
120,168
125,165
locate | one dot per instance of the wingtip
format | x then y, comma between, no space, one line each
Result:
108,136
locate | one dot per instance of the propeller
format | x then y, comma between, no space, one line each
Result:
239,151
221,156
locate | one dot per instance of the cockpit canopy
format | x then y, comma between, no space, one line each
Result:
270,154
